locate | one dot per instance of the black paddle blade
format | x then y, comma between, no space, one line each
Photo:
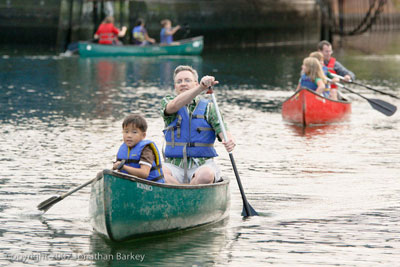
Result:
382,106
251,212
48,203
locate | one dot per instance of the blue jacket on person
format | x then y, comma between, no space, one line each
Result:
132,158
190,136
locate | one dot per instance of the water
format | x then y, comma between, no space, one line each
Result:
327,196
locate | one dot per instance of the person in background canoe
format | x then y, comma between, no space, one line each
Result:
137,156
139,34
191,127
167,32
332,64
108,34
329,92
312,76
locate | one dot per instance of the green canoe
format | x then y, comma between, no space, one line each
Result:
123,207
192,46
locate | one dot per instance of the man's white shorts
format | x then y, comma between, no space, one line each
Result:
178,172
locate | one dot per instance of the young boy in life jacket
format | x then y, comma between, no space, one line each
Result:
137,156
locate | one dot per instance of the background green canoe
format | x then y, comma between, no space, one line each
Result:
123,206
192,46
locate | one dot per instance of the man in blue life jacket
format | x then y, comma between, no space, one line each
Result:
191,127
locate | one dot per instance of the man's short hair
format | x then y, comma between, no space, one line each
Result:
322,43
186,68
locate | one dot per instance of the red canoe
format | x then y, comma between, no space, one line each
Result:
307,107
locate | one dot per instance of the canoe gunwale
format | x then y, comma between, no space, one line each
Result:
184,41
315,93
143,181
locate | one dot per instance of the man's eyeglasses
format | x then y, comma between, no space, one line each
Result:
186,80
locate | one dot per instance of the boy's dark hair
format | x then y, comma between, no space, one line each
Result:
139,22
136,120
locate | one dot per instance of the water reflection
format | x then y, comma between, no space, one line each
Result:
177,249
310,131
61,120
86,88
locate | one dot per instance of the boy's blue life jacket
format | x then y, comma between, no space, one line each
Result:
132,158
190,136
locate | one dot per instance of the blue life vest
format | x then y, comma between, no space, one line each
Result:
326,93
325,70
164,38
190,136
156,173
138,34
305,82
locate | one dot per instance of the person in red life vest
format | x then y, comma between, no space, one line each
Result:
108,34
332,64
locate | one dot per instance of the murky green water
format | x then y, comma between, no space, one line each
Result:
327,195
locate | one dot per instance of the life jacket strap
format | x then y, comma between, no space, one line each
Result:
185,166
190,144
127,161
158,167
178,126
198,116
106,36
158,178
169,128
199,129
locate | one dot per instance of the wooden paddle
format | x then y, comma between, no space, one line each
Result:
48,203
366,86
247,209
379,105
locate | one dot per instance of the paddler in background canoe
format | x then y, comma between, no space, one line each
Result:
108,34
332,64
312,76
140,35
329,91
137,156
167,32
191,126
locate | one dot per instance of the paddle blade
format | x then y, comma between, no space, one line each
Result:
251,212
48,203
382,106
